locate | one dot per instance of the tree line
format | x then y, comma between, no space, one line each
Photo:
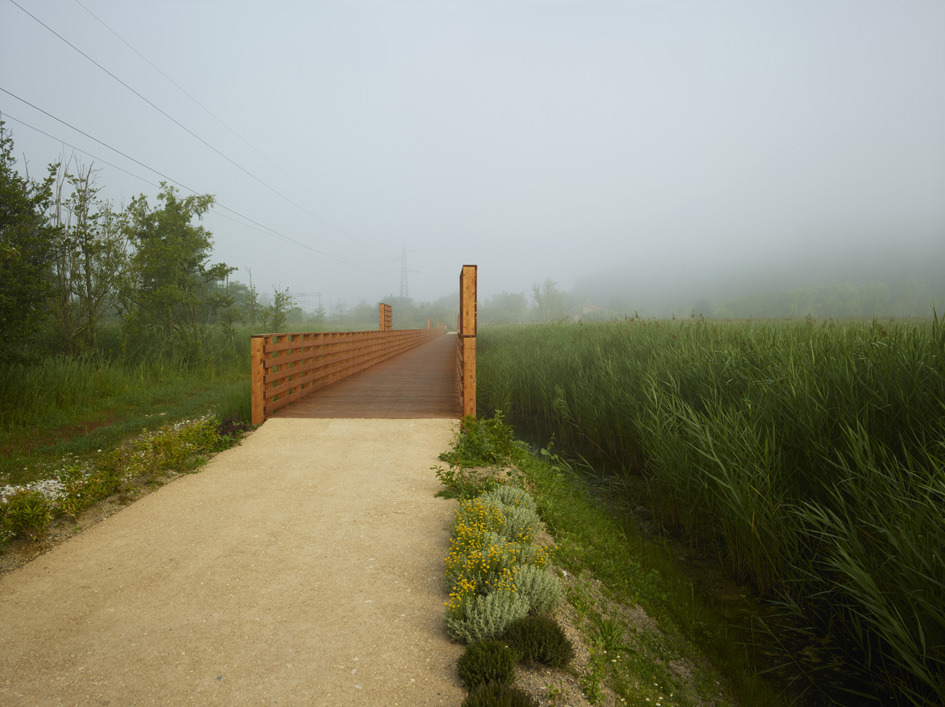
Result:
79,277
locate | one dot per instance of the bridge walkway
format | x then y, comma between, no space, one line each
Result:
419,384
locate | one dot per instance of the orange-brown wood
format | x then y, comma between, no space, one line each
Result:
420,383
296,364
287,368
467,301
466,342
257,373
385,317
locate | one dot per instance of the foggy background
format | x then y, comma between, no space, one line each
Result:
657,156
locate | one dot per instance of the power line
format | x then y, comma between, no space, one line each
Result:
188,130
215,116
79,149
265,229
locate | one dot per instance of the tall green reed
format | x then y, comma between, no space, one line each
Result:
744,432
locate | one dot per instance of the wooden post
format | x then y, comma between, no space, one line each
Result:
385,317
257,376
467,338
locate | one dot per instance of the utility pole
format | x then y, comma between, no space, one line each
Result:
403,274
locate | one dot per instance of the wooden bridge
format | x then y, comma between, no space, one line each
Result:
419,373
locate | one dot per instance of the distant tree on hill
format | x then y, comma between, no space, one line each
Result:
551,304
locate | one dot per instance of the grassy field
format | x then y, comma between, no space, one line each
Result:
809,454
63,406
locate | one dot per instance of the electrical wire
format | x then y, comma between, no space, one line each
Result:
7,116
265,229
218,118
188,130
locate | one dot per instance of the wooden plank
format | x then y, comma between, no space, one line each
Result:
469,376
467,304
257,375
419,383
295,365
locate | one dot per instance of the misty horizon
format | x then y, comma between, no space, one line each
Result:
677,150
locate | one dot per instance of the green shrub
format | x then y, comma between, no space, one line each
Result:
486,662
540,639
464,482
512,496
539,587
474,518
27,514
482,442
478,617
521,523
490,560
494,695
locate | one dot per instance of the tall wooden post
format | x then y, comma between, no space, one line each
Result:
467,339
385,317
257,376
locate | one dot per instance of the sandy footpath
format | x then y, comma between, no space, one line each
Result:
303,567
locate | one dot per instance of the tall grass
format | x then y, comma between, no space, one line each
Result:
55,389
812,453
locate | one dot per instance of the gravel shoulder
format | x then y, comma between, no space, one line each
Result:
304,566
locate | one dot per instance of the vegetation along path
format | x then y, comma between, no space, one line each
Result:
303,566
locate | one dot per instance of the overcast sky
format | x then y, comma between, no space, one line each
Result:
536,138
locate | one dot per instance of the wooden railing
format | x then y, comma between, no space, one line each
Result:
466,340
286,367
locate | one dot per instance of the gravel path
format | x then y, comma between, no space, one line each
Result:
303,567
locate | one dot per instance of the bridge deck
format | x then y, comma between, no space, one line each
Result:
421,383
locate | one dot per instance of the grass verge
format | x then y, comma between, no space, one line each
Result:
32,451
26,511
647,633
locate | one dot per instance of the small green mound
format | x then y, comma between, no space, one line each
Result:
486,662
499,696
540,639
541,588
481,617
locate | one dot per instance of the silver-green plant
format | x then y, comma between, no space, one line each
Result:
541,588
479,617
521,523
511,496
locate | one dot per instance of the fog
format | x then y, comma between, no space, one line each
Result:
651,152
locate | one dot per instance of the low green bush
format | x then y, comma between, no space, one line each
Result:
494,695
482,442
539,587
26,511
486,662
511,496
521,523
540,639
477,617
26,514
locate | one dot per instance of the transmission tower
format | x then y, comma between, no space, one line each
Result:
403,273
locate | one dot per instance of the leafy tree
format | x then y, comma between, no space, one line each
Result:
90,257
551,305
171,277
320,318
276,314
25,251
505,308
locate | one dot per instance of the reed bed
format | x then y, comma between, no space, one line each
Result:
811,453
54,389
